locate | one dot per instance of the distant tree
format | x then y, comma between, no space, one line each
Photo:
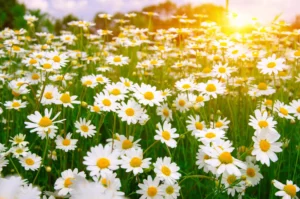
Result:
12,14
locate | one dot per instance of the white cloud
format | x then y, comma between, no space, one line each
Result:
36,4
69,5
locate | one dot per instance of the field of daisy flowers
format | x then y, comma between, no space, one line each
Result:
168,113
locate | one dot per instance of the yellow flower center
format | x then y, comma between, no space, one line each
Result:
165,170
65,98
115,91
211,88
262,86
127,84
222,70
96,108
127,144
32,61
198,125
84,128
250,172
199,99
223,44
298,109
99,79
264,145
206,70
47,66
165,112
117,59
271,65
181,102
87,83
210,135
129,112
186,86
18,140
56,58
48,95
29,161
66,142
68,182
231,179
166,135
67,38
103,163
206,157
290,190
297,53
105,182
35,76
106,102
263,124
225,158
152,191
283,111
15,104
45,122
219,124
135,162
234,52
268,102
153,62
170,190
149,95
18,151
16,48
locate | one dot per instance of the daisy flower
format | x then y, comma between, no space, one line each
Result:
201,157
222,71
85,128
265,146
118,60
150,188
147,95
283,110
287,191
59,59
63,183
50,94
233,184
19,151
261,121
101,158
117,90
187,84
221,123
123,144
195,125
40,123
89,81
223,161
133,161
106,101
212,88
67,100
15,104
66,144
271,65
3,163
261,89
182,103
210,135
166,134
111,184
295,108
130,112
198,100
31,162
252,173
164,112
166,170
171,190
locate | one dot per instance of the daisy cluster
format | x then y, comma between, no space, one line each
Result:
145,113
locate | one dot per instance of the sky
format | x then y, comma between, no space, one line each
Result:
265,10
